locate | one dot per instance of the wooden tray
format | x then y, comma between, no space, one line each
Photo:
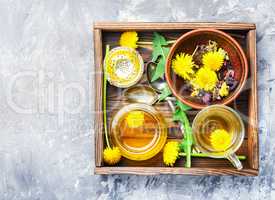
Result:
245,104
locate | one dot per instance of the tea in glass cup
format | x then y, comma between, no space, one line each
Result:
219,132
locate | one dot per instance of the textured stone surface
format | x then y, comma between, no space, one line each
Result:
46,139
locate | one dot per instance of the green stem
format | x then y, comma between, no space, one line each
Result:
188,157
202,155
105,101
171,41
150,43
144,42
188,139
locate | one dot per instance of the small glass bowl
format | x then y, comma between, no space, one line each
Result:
123,66
139,143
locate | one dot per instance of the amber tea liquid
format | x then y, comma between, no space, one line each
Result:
138,137
216,117
211,120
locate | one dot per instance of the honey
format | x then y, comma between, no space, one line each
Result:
144,140
137,137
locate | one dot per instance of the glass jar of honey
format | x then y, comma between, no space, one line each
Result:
139,131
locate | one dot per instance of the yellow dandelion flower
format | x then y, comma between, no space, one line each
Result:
183,65
194,93
170,153
205,79
214,59
224,91
129,39
111,155
220,139
135,119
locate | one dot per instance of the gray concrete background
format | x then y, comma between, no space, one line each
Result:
46,121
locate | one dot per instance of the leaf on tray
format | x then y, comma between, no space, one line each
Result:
158,42
159,55
165,93
182,106
187,141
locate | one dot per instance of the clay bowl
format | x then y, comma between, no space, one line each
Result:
187,43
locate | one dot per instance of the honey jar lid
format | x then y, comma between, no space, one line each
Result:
123,67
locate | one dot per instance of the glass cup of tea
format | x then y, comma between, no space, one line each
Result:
218,131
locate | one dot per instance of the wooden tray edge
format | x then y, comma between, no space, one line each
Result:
98,80
253,146
120,26
174,170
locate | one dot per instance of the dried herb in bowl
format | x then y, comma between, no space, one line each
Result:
208,74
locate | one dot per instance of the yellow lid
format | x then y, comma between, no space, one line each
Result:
123,66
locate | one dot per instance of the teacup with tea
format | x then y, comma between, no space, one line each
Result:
219,132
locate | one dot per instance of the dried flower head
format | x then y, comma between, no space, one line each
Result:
170,153
129,39
183,65
220,139
224,91
205,79
214,59
111,155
